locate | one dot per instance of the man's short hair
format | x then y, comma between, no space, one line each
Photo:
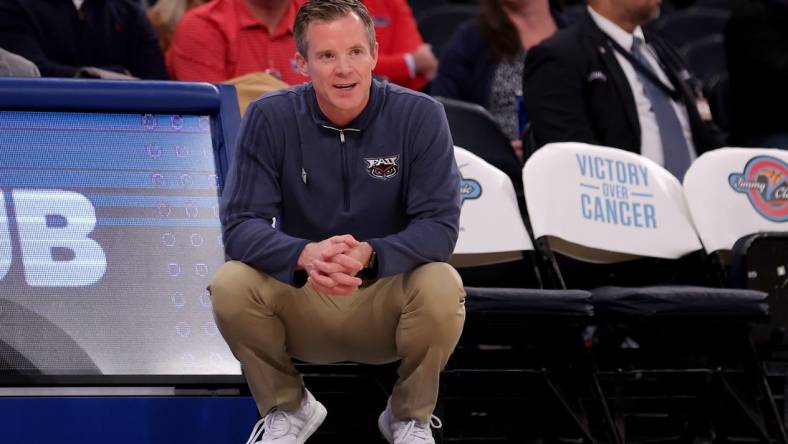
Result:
326,11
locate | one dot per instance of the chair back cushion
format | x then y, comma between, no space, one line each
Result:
733,192
593,201
491,228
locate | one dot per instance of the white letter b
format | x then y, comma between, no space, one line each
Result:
49,219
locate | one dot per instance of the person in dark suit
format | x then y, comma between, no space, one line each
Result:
606,81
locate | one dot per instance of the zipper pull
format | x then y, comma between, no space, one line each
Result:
342,136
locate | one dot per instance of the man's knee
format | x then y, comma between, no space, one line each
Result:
437,287
231,284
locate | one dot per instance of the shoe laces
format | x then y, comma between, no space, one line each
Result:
415,429
276,423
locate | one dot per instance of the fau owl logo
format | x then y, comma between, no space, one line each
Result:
383,167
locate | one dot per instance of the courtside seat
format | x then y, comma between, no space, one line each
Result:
474,129
744,228
492,231
507,379
491,228
518,302
750,196
613,206
659,347
679,301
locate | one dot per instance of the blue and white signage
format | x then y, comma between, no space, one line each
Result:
615,192
607,199
109,235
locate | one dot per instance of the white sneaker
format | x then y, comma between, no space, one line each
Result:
290,427
406,432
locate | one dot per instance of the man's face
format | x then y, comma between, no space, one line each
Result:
339,62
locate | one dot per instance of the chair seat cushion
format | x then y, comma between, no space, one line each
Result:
527,301
682,301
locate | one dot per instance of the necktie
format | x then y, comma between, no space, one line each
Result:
674,145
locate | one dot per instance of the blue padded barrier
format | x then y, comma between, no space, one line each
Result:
127,420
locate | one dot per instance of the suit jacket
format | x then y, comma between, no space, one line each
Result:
576,91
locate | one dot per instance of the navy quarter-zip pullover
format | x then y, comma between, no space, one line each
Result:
389,178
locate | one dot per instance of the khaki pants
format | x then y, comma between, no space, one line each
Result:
415,317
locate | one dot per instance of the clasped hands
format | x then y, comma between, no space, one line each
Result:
332,264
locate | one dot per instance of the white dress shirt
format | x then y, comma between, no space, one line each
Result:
650,142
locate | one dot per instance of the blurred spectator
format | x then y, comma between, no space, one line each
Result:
403,57
605,81
483,62
64,37
756,41
224,39
229,38
12,65
166,14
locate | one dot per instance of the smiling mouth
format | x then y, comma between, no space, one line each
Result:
345,86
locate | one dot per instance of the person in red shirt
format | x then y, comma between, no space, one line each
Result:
224,39
403,57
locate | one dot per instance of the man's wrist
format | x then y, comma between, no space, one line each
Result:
372,257
370,267
301,263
